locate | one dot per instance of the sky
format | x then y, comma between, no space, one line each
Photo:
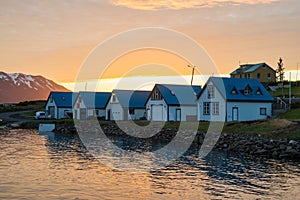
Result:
56,38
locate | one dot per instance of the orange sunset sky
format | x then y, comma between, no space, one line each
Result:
53,38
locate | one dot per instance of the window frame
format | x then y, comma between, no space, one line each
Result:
215,108
263,111
210,91
206,108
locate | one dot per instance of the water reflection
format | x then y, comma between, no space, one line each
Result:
57,166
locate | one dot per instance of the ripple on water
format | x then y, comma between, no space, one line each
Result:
52,166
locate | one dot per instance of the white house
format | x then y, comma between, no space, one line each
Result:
172,103
234,99
90,104
59,105
127,105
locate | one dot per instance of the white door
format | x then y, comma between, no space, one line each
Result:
157,112
178,115
235,114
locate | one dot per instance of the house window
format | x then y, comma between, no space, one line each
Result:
210,92
258,92
247,90
156,95
215,108
241,76
131,111
258,75
263,111
51,99
234,91
248,75
269,76
206,108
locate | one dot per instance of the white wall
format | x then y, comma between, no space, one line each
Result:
76,109
138,113
185,111
61,112
218,98
156,102
248,111
116,112
51,104
107,110
101,113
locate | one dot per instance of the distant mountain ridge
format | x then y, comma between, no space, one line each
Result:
18,87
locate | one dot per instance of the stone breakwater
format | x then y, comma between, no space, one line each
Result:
245,145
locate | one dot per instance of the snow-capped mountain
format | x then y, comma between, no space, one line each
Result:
20,87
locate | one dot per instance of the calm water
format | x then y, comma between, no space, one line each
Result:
34,166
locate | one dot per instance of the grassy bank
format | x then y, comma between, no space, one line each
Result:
27,105
286,125
280,92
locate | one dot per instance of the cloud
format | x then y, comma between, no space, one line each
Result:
181,4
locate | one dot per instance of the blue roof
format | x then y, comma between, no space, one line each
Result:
248,68
132,98
96,100
226,86
62,99
179,94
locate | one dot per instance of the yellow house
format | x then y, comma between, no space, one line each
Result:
261,71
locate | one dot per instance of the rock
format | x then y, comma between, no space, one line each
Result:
282,146
261,152
289,148
4,128
275,154
292,152
15,125
292,142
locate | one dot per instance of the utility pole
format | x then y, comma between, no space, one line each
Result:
193,71
290,91
297,74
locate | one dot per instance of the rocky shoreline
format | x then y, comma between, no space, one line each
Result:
245,145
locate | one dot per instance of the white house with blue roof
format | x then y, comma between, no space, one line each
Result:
234,99
59,105
90,104
127,105
172,103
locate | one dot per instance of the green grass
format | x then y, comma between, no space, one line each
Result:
291,114
285,92
254,128
27,105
